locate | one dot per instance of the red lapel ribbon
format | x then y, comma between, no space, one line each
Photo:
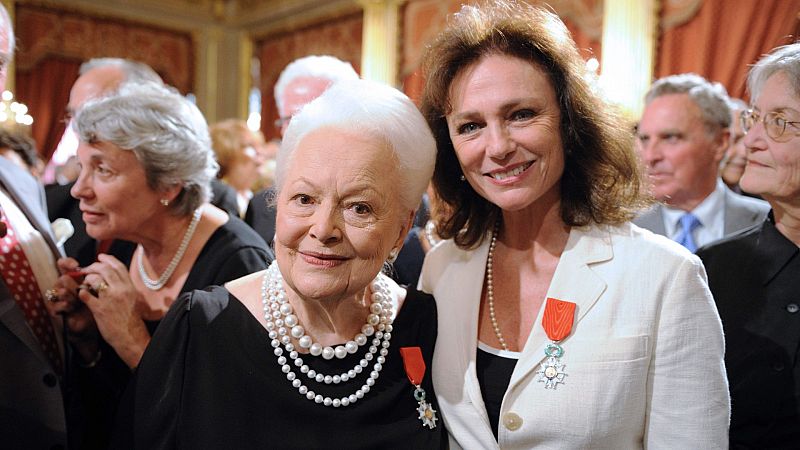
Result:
413,364
558,318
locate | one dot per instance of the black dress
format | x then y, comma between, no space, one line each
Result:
232,251
210,380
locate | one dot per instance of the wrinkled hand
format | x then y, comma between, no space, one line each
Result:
77,317
113,301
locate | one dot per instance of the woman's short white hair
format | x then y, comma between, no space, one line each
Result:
784,59
166,132
374,109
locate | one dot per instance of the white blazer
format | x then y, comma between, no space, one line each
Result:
644,361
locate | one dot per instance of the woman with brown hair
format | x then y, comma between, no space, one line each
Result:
561,324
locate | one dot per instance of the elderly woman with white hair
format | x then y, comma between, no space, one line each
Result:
755,274
329,352
146,166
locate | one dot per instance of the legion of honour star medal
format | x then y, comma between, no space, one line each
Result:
414,366
557,323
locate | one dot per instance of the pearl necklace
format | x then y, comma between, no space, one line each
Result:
281,323
155,285
490,287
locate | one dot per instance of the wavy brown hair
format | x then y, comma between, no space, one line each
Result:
601,182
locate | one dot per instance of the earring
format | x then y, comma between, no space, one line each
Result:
164,202
462,178
393,255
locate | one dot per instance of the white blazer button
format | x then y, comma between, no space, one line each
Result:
512,421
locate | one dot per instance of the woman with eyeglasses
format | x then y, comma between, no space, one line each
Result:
755,275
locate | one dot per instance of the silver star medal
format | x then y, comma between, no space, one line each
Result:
551,371
426,412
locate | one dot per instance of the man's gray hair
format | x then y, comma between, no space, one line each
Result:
373,109
134,71
166,132
325,67
710,98
784,59
6,18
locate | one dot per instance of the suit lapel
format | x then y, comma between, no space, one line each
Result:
14,319
573,281
652,220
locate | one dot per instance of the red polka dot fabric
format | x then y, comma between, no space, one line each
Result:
21,283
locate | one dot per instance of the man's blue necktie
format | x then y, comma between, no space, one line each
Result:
688,223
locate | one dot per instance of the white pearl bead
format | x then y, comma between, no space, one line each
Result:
353,398
375,308
351,347
273,334
343,378
351,373
365,388
318,398
373,319
378,367
312,373
328,401
337,379
310,395
337,403
292,354
298,331
370,381
360,393
340,352
387,335
278,351
281,360
374,375
328,353
291,376
280,322
302,390
368,330
289,347
328,379
369,356
296,383
361,364
345,401
282,330
275,343
286,309
360,339
315,349
298,362
285,368
384,352
305,341
379,335
285,340
381,359
319,378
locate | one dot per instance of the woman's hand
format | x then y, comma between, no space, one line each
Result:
64,301
114,302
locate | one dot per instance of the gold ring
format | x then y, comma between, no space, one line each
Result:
51,295
102,286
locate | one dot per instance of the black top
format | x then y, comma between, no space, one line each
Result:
494,374
232,251
210,380
755,279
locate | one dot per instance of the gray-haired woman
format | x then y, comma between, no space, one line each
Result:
329,353
146,166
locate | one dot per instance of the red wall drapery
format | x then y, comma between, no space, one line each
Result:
339,37
51,44
724,38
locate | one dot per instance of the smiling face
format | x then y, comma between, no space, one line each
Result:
682,157
773,167
504,125
115,199
339,214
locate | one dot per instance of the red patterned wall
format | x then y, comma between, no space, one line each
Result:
339,37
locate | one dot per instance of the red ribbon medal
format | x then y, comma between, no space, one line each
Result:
557,323
414,366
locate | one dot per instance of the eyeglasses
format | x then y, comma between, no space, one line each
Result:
774,123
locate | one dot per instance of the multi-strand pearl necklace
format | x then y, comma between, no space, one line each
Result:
155,285
490,287
283,325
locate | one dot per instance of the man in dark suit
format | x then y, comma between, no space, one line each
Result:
755,275
683,135
32,413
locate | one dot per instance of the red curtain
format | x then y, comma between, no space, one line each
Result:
725,38
45,90
339,37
